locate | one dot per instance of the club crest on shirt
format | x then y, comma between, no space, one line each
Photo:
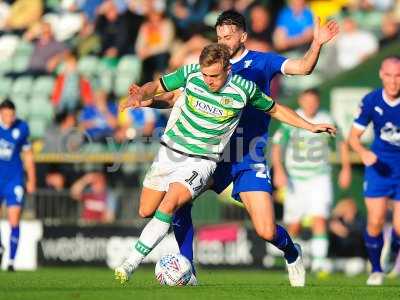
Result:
391,134
226,101
15,133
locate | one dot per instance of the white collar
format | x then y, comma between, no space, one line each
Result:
235,60
391,103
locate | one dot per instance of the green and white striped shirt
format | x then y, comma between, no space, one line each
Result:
306,153
207,119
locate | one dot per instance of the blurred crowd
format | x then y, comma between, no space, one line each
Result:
69,62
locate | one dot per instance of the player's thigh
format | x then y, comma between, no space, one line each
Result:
320,197
376,210
295,204
261,210
221,178
149,201
14,214
177,195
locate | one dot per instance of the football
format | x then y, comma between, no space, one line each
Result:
173,270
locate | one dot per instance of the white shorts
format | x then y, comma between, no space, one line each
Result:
310,197
170,166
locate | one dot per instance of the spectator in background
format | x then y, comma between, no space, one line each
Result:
99,203
112,29
62,138
260,29
47,52
70,88
390,30
346,230
188,14
86,42
294,27
100,119
153,42
23,14
303,167
354,45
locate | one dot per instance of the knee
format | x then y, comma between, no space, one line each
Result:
266,232
145,212
375,224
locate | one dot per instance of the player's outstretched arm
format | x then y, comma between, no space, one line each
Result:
144,93
160,101
289,116
367,156
306,64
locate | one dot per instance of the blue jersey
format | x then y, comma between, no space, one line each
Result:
259,67
12,141
385,117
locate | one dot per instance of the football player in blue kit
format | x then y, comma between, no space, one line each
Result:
381,107
14,134
249,172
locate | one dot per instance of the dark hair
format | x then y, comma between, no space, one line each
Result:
312,91
7,103
215,53
231,17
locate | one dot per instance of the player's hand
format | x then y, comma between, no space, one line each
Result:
280,178
133,101
368,158
345,177
30,186
325,33
328,128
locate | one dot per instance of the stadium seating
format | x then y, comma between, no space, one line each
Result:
43,86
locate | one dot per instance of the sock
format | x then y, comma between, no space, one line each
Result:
283,242
319,250
14,239
395,243
152,234
183,230
374,245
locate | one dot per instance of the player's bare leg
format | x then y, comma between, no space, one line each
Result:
376,214
149,201
155,230
260,208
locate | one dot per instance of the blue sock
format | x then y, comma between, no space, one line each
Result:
184,232
374,245
395,244
283,242
14,239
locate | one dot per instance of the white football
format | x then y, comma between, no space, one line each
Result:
173,270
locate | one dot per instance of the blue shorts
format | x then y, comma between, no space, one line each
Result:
382,179
12,192
254,177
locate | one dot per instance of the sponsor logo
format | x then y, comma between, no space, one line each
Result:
15,133
391,134
208,108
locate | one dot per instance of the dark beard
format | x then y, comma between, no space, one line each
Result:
241,47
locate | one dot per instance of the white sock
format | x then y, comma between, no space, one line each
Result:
151,235
319,251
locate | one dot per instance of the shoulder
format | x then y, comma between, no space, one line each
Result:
244,84
21,124
189,69
372,97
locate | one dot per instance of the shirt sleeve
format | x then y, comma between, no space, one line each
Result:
274,63
365,114
177,79
259,100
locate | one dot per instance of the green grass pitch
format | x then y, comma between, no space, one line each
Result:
99,283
